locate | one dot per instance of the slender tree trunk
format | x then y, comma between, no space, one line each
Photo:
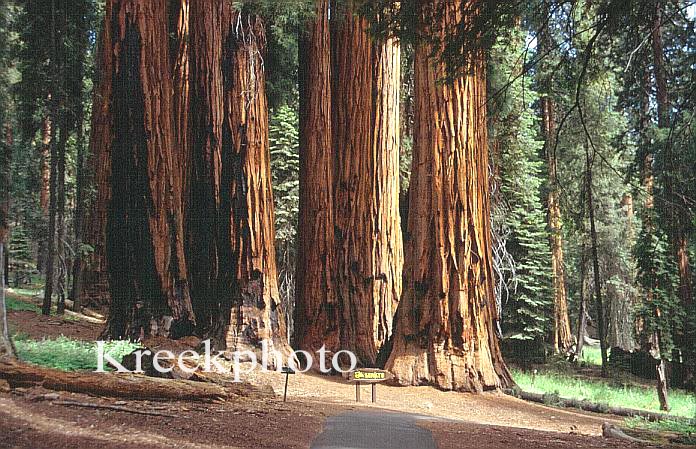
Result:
44,191
582,315
316,309
601,326
6,346
366,187
52,209
60,216
648,182
562,337
79,217
144,234
445,326
94,274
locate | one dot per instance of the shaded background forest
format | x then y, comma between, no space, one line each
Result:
592,162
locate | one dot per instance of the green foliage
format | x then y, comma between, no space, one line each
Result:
660,312
67,354
518,216
19,244
285,170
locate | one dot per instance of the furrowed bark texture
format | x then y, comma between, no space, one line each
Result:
562,336
144,230
230,226
316,309
445,330
95,276
208,250
366,187
179,27
256,309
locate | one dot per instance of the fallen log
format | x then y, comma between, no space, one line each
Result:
118,408
552,399
123,385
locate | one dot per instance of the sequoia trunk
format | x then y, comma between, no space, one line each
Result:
95,276
230,225
257,314
366,188
445,326
144,235
316,309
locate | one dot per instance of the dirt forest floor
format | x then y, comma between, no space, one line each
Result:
36,418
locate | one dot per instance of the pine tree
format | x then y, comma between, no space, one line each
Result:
518,213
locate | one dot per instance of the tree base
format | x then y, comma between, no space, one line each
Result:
447,370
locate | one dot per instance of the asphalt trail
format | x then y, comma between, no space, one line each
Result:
373,430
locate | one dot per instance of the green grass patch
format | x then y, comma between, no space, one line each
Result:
16,304
67,354
605,392
592,355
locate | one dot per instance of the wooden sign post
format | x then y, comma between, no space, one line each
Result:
287,371
371,376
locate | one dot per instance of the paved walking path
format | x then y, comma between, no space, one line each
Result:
373,430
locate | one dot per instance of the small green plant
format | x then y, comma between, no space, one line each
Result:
67,354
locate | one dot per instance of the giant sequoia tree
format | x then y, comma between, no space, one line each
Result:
144,234
369,254
316,309
230,234
445,326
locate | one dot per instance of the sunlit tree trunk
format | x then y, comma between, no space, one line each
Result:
562,336
445,326
316,310
256,308
366,188
144,235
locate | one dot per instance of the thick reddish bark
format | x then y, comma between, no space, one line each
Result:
179,27
144,235
365,131
316,308
230,224
256,309
95,276
445,325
